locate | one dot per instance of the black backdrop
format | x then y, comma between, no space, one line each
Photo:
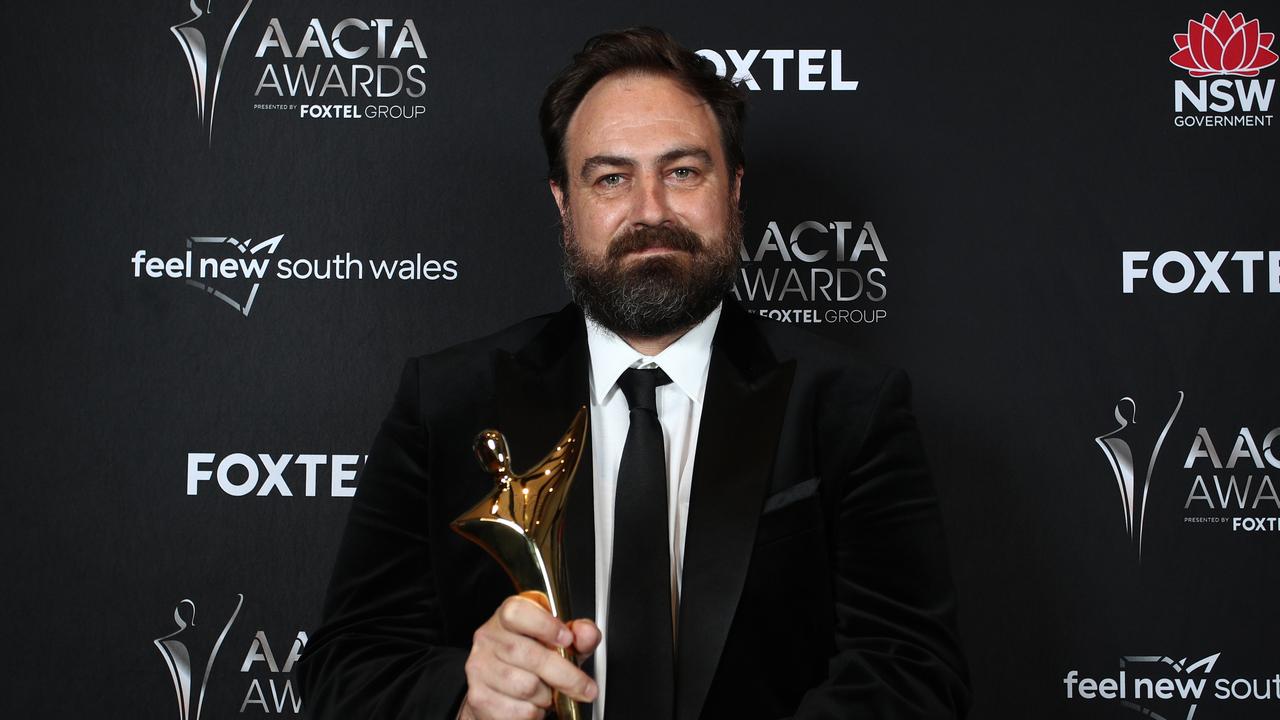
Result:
1002,160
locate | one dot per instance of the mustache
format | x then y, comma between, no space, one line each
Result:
669,237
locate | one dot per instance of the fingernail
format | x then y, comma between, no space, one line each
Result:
565,638
591,692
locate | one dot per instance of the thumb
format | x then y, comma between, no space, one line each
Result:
586,636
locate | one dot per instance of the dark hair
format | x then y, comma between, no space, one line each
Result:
641,49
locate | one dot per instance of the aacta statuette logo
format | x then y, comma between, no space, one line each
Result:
208,34
1118,447
177,654
1232,47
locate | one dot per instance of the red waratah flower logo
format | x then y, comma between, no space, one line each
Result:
1223,46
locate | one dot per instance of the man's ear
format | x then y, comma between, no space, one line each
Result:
558,193
737,186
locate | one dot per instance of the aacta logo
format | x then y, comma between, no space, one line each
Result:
1229,481
192,647
316,73
810,272
1223,46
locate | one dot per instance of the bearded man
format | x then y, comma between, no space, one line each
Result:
753,532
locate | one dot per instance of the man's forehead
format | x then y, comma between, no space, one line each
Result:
640,115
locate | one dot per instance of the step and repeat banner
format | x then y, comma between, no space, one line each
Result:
231,221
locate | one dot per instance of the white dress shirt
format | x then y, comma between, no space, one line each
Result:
686,362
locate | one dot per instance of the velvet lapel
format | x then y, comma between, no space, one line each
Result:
540,388
738,435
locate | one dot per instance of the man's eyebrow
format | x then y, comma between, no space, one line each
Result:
683,152
598,161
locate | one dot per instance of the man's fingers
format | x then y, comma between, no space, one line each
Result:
549,666
497,689
522,652
586,636
566,677
524,685
515,662
525,616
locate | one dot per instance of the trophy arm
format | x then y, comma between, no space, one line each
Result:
549,481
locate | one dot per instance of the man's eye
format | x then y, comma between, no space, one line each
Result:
683,173
612,180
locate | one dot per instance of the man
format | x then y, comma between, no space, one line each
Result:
753,531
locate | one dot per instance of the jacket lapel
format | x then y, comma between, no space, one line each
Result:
746,397
539,389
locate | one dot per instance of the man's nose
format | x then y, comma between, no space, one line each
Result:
651,203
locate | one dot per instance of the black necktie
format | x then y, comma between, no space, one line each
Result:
641,674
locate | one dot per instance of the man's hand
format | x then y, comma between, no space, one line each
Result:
515,664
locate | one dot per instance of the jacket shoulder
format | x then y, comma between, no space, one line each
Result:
509,339
459,374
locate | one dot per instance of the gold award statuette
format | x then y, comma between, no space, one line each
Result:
520,523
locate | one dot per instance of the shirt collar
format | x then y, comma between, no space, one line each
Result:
685,361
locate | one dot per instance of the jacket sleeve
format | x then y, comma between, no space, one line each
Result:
897,653
379,651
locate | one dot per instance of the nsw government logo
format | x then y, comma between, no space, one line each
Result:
1233,51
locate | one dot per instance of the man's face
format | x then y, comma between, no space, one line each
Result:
651,225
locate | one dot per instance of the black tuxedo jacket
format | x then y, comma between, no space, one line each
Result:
815,575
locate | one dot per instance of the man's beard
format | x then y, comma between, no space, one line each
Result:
659,295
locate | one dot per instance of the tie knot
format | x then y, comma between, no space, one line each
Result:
640,387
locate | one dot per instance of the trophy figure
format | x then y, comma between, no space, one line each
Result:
176,647
205,38
521,522
1117,445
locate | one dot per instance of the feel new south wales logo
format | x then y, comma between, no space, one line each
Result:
1224,55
